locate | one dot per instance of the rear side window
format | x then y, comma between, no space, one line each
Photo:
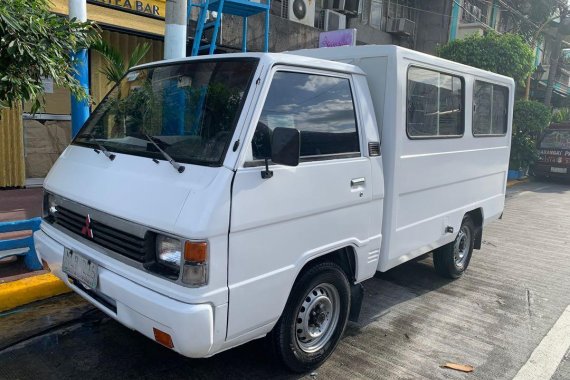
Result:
434,104
319,106
490,109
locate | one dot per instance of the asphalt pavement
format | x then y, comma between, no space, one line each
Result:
412,322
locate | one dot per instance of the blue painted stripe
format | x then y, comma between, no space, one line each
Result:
31,258
80,109
21,225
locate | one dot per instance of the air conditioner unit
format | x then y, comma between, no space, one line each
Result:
401,26
302,11
328,4
347,7
332,20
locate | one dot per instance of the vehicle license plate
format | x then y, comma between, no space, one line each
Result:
80,268
559,170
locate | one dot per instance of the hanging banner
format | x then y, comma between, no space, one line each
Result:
342,37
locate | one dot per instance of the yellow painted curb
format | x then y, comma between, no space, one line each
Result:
30,289
516,182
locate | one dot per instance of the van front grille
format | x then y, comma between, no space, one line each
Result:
111,238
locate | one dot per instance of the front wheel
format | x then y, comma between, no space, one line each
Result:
452,259
314,318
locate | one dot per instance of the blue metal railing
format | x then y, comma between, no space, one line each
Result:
21,246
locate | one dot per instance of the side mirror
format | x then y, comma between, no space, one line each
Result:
285,146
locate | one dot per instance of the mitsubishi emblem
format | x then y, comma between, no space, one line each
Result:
86,229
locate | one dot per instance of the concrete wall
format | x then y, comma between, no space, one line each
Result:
432,28
284,34
367,35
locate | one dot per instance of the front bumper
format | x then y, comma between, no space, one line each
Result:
191,326
544,170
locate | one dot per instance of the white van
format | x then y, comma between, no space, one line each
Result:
214,200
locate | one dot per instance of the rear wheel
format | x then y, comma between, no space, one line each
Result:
452,259
314,318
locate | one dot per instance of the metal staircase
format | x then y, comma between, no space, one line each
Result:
241,8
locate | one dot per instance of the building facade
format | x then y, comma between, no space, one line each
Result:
34,141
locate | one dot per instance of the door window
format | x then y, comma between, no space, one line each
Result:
319,106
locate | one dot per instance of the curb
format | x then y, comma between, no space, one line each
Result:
515,182
30,289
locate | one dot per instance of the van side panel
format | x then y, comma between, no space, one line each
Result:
439,180
429,184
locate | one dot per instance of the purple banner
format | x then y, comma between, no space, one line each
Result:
342,37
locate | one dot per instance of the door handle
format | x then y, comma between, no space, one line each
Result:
357,182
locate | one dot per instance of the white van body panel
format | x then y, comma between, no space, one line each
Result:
303,212
430,184
261,233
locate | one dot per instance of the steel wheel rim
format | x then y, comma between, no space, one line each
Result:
317,317
461,247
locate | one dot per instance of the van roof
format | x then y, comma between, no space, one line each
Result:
369,51
269,59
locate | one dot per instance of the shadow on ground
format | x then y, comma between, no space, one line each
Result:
68,338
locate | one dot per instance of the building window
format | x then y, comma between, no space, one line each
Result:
490,109
434,104
376,13
474,12
402,9
319,106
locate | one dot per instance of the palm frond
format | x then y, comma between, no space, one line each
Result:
138,54
115,69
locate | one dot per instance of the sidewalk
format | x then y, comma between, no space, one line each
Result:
20,204
19,286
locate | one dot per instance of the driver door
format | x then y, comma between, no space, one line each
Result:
279,223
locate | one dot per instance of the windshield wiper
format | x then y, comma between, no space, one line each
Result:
179,168
107,154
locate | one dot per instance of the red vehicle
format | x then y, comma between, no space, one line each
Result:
554,151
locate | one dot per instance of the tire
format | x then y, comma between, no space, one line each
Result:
297,341
451,260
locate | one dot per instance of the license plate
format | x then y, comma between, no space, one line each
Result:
80,268
559,170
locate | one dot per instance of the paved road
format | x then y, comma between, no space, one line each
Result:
412,321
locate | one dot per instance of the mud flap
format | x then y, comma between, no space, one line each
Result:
356,296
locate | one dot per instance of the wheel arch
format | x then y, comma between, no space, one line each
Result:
345,258
476,216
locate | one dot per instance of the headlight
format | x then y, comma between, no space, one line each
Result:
168,251
49,206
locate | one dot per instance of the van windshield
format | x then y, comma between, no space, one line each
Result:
189,109
556,139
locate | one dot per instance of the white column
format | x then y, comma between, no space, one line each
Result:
175,29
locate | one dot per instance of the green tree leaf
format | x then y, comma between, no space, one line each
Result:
505,54
36,43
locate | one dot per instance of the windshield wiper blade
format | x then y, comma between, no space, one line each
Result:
179,168
107,154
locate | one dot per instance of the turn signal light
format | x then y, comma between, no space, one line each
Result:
195,252
163,338
195,268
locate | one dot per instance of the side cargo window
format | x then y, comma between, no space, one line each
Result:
490,109
319,106
434,104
